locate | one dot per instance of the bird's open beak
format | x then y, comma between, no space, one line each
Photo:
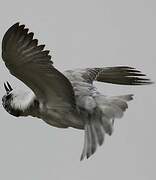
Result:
8,87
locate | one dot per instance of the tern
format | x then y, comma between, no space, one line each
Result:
63,100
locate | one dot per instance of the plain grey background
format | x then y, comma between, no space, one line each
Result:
85,33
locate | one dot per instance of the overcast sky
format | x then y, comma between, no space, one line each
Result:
85,33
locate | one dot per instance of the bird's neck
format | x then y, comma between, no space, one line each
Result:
24,104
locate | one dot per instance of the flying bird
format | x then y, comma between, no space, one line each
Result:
63,100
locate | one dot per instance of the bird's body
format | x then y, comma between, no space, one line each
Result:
67,99
88,99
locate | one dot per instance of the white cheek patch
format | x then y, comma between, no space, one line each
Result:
22,100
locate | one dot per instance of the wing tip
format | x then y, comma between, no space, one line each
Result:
143,81
17,24
124,75
11,30
14,26
19,34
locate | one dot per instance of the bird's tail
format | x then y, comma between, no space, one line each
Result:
102,121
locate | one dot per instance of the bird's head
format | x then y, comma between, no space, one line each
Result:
7,99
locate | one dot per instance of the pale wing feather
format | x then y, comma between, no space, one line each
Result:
27,61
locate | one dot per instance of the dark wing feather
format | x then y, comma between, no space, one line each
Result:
116,75
27,61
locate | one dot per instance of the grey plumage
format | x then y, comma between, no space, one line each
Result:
63,100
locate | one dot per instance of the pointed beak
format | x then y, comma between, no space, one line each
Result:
7,87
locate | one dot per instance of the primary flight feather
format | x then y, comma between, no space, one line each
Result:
66,99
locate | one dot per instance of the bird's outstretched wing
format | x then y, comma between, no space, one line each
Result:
123,75
30,63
